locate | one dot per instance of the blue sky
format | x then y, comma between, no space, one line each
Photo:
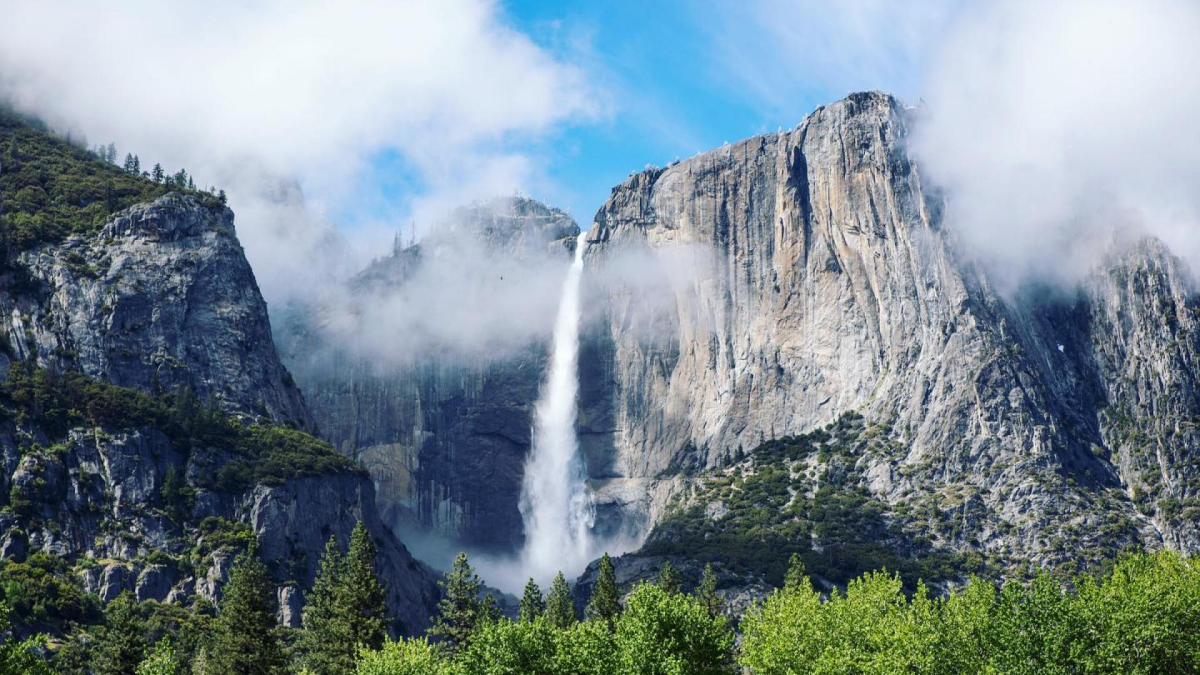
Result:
673,78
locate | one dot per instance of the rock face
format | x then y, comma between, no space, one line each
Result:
162,297
768,287
100,496
443,432
819,277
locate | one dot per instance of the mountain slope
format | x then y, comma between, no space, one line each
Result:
823,279
147,425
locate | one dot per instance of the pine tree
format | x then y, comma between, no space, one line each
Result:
707,593
137,166
560,608
222,198
361,595
245,639
122,644
605,603
796,577
668,578
533,605
110,153
191,184
323,633
157,174
129,166
460,611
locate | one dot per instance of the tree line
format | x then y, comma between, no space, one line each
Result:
1143,616
180,180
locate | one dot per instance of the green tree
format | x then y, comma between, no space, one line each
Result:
707,593
663,632
128,166
460,611
161,660
403,657
797,576
324,639
533,604
20,657
504,646
560,607
245,640
121,645
668,578
361,596
157,174
605,603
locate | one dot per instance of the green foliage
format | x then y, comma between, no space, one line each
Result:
161,661
346,611
707,593
662,632
52,189
404,657
1140,619
245,640
605,603
460,611
668,578
121,645
769,517
267,454
533,604
560,607
44,591
20,657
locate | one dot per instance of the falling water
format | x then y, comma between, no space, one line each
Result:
555,506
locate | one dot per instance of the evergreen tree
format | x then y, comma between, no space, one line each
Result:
110,153
707,593
191,184
361,596
137,165
460,611
605,603
533,605
796,577
245,640
668,578
323,634
222,198
157,174
122,644
20,657
129,166
560,608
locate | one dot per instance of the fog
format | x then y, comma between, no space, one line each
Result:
1058,128
249,95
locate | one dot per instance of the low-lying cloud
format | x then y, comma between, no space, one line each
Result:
316,91
1057,127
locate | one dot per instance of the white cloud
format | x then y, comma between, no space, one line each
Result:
301,88
1055,126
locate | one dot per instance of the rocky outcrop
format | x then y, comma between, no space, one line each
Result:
162,297
443,432
810,272
98,500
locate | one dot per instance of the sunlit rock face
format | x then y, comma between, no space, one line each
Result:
439,406
764,289
808,273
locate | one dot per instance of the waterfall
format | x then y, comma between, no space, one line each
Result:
555,507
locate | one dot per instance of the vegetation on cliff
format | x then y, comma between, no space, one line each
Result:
51,187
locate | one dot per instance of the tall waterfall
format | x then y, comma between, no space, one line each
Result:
555,506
